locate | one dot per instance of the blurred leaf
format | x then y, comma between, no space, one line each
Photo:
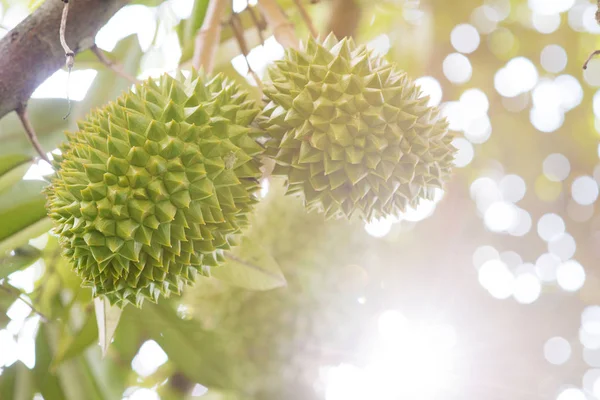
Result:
12,169
15,383
24,256
107,318
128,337
187,29
6,300
251,267
73,345
46,116
8,380
87,60
108,86
197,353
46,381
23,214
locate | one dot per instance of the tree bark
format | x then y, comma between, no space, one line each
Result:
31,52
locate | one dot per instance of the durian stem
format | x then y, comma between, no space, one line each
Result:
17,294
22,113
307,20
238,32
69,54
207,38
116,68
596,52
283,29
259,23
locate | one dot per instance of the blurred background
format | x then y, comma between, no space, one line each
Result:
492,291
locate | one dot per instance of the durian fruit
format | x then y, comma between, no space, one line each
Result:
351,132
156,185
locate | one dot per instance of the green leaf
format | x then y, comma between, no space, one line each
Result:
187,29
46,381
8,380
15,382
250,267
107,318
197,353
6,300
73,345
74,375
12,169
22,258
23,214
108,86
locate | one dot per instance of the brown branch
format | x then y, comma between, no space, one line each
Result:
260,23
596,52
208,36
283,29
345,16
32,51
307,20
238,32
116,68
17,295
22,113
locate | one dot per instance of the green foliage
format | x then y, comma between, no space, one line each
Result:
23,214
197,353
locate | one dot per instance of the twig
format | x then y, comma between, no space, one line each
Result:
207,38
596,52
238,31
116,68
283,29
307,20
69,54
17,295
259,23
22,113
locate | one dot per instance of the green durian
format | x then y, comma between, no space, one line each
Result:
352,133
155,186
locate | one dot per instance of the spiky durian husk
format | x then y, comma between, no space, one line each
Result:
154,186
351,132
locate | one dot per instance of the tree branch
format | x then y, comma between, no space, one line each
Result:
306,18
116,68
594,53
260,23
32,51
283,29
238,32
344,18
208,37
17,294
22,113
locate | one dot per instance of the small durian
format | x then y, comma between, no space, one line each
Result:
352,133
154,186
